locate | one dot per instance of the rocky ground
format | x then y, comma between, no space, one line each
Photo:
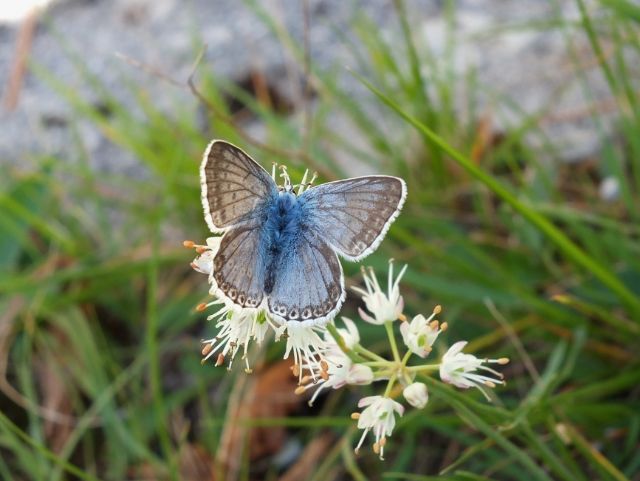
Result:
533,66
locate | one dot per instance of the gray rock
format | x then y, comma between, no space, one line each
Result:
532,67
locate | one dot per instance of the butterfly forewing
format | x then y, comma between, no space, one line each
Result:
309,282
233,185
353,215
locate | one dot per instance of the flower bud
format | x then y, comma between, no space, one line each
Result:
416,394
360,374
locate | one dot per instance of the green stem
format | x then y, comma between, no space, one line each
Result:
343,345
426,367
388,364
564,244
392,381
392,340
159,409
43,451
406,357
349,459
366,352
403,367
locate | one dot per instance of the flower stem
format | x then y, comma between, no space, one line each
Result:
392,340
426,367
367,353
406,357
387,364
392,381
342,345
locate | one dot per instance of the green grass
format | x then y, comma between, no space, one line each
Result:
100,364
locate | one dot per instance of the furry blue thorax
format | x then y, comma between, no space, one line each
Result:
282,228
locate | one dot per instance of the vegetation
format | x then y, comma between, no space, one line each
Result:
100,373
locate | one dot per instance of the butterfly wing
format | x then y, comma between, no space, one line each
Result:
353,215
236,194
239,265
309,285
234,186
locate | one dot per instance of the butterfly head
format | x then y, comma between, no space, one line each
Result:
287,186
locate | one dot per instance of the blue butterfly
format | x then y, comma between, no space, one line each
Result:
279,248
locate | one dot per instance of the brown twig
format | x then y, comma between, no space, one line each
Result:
150,69
19,67
300,155
227,119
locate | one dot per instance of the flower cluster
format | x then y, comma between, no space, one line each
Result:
338,369
348,362
330,357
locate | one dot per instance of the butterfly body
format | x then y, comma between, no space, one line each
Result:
283,227
279,250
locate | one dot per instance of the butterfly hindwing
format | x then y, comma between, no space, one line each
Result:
309,284
239,265
353,215
233,185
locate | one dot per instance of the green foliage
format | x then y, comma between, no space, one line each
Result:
97,299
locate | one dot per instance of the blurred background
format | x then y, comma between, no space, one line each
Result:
530,242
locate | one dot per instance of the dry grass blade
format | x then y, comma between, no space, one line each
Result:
313,454
268,393
19,67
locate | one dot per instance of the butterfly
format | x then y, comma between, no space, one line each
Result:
279,249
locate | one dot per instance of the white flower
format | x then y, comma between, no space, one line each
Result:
237,327
204,262
459,369
307,347
358,375
379,416
384,307
335,368
416,394
350,335
420,334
